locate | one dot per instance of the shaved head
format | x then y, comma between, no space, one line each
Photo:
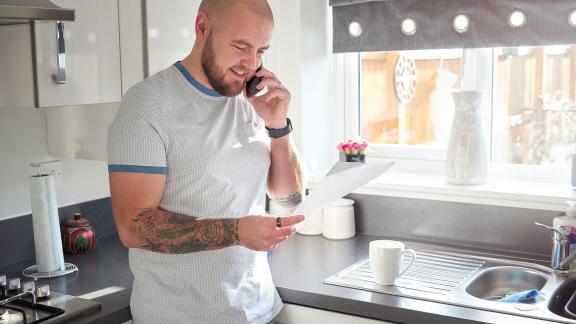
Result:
219,11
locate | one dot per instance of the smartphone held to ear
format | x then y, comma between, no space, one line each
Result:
251,89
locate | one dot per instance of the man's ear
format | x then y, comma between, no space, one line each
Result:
202,25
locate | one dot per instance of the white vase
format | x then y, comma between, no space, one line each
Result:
467,159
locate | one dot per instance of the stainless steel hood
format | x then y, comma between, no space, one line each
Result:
24,11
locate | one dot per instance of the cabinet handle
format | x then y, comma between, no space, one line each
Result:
60,76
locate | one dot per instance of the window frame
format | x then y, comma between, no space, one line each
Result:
428,160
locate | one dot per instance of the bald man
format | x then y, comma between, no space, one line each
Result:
190,160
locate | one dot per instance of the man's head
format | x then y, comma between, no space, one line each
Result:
232,35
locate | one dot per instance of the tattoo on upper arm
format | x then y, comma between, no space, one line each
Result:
167,232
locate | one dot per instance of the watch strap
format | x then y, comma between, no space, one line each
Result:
279,132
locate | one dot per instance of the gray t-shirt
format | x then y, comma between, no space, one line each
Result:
216,157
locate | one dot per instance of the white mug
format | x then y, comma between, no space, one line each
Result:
385,260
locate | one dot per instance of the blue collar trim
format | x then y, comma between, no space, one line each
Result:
196,84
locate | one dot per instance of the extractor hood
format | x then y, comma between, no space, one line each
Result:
23,11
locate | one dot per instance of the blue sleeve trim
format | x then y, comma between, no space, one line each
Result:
136,169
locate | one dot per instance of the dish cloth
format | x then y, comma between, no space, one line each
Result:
520,297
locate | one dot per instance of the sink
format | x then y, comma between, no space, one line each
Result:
495,283
561,296
472,281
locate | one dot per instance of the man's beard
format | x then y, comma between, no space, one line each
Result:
211,70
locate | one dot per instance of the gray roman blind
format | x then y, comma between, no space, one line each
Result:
546,22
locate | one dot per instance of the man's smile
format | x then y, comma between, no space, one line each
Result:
238,73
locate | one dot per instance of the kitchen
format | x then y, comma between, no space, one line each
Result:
382,71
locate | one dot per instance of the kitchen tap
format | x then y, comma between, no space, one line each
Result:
561,258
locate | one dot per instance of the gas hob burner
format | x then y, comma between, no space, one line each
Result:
22,311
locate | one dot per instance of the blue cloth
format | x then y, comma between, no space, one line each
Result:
520,297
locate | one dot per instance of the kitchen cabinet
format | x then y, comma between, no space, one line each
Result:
91,57
88,57
295,314
17,77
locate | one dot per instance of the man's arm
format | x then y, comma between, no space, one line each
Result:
141,224
285,174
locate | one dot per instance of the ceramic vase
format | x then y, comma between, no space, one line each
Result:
467,157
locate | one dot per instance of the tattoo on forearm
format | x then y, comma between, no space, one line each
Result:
166,232
290,201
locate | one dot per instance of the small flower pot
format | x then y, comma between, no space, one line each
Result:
352,157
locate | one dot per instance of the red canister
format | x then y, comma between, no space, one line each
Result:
78,236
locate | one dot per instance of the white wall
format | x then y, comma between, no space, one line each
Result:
22,141
317,85
284,57
300,54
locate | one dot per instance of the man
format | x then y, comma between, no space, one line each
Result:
189,164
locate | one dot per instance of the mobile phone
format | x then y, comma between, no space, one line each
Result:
251,89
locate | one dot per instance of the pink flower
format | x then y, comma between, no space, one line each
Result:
350,146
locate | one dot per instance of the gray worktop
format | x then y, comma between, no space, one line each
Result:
299,267
104,267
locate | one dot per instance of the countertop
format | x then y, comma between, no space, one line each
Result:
299,267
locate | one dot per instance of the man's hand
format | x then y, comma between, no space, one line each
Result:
272,107
260,233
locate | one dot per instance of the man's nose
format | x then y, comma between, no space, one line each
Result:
252,61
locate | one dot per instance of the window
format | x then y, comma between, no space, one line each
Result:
405,108
534,105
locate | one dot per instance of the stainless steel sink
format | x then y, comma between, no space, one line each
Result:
497,282
561,296
471,280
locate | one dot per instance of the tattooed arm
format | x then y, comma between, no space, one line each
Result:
163,231
141,224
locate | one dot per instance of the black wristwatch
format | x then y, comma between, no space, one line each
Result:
279,132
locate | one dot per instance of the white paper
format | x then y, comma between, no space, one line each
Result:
342,179
45,221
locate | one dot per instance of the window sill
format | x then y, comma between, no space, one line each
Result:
505,192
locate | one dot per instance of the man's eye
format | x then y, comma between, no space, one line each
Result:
240,48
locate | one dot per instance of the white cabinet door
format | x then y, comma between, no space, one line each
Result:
92,56
16,63
169,31
296,314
